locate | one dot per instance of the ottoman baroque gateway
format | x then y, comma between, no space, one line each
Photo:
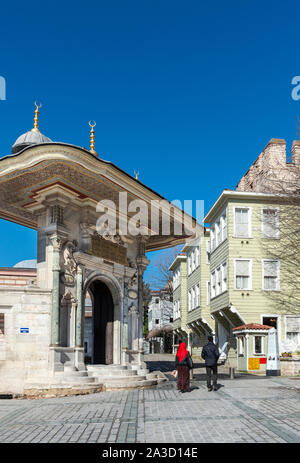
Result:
54,188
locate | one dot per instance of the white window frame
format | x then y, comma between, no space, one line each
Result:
223,222
208,283
189,300
176,309
241,346
197,289
189,259
266,208
250,274
217,230
213,286
224,272
285,327
193,256
193,297
263,274
218,274
208,251
212,239
249,222
273,315
218,271
197,251
262,345
176,278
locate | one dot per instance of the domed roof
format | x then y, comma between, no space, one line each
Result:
32,137
32,263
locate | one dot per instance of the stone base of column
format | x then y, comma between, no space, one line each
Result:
61,357
79,358
133,356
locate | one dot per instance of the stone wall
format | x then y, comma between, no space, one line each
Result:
290,366
24,343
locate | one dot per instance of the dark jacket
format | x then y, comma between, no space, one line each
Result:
187,361
210,353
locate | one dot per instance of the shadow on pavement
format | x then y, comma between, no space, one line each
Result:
167,366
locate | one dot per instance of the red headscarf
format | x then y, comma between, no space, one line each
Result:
182,352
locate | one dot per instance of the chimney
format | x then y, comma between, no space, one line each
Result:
296,152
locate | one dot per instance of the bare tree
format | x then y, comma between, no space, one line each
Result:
161,276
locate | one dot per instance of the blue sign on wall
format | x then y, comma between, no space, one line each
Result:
24,330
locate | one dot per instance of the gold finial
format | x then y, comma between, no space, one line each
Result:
36,117
92,137
136,174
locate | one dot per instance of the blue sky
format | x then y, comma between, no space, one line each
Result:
187,93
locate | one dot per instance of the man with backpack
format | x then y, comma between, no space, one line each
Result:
210,353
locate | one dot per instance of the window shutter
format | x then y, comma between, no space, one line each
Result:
242,268
241,222
270,223
270,268
293,324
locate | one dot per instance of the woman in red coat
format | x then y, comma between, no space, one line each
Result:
183,364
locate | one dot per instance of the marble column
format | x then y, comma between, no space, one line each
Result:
142,264
56,244
79,310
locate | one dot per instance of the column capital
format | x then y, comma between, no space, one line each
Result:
142,263
56,242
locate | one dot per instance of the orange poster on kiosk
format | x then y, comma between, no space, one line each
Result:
253,364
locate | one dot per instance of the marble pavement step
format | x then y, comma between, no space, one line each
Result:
111,386
115,372
118,379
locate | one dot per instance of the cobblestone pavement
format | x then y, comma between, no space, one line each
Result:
246,409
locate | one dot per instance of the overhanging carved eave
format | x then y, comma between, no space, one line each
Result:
27,176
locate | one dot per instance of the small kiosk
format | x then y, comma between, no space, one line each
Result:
252,347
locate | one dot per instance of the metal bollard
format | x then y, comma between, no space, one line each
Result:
231,372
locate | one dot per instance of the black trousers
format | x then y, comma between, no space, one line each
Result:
211,372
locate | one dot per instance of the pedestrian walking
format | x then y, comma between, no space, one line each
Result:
210,353
183,365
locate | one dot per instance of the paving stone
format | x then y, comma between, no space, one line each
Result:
246,409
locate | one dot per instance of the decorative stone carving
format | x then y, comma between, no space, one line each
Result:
56,242
67,299
132,294
113,238
68,264
132,282
131,263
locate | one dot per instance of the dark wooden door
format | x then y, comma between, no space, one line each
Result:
103,318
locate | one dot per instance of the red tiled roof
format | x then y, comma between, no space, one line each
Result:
252,326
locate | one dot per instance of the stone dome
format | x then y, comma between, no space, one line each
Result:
28,139
32,263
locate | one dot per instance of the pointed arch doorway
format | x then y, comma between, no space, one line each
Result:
102,323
